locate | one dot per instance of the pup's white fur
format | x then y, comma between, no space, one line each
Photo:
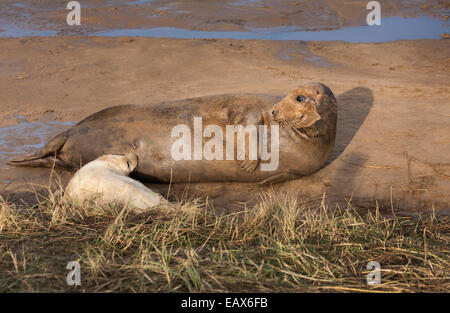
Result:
106,178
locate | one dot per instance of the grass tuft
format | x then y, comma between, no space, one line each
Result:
279,245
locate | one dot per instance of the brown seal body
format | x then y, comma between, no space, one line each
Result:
307,128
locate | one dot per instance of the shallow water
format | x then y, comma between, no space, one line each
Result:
291,53
18,5
137,2
247,3
13,31
27,137
392,28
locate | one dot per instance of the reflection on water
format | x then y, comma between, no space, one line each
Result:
393,28
27,137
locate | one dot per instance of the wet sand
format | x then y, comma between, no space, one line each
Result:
219,15
393,99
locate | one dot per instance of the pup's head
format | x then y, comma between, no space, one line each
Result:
123,163
304,107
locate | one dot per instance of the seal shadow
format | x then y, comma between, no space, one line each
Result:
353,107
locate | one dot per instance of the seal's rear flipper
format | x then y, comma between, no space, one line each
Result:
46,157
48,161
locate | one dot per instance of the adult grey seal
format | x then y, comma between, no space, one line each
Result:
302,125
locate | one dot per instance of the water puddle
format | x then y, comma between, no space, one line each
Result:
18,5
138,2
393,28
247,3
13,31
27,137
112,3
292,53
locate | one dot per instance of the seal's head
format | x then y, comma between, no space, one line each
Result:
309,110
123,163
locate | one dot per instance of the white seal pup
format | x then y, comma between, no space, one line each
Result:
106,179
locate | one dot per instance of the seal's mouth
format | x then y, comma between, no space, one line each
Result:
293,122
298,130
299,125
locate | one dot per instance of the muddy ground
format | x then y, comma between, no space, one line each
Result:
209,14
392,146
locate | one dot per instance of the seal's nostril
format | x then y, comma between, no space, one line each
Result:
273,112
135,145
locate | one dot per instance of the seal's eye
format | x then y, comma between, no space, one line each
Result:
300,98
129,165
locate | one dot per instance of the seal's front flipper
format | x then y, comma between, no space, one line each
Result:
279,178
248,165
46,157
